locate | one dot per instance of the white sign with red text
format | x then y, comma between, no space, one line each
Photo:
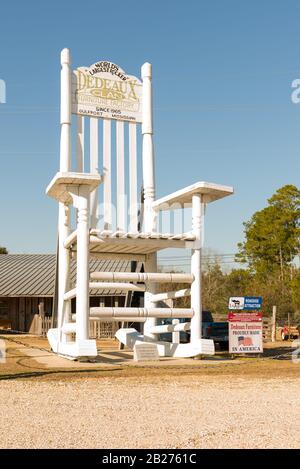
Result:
245,332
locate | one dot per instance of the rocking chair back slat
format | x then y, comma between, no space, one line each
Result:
94,168
133,204
80,144
121,210
107,199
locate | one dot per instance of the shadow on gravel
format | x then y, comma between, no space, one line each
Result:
279,353
36,374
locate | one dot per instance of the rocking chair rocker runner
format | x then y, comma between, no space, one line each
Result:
113,101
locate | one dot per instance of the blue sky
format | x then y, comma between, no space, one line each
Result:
222,85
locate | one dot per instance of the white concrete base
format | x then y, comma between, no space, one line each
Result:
130,336
80,348
145,351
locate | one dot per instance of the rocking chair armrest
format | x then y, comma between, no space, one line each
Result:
62,181
183,198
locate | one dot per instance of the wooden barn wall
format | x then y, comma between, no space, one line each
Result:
22,310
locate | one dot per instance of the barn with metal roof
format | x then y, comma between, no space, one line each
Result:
27,285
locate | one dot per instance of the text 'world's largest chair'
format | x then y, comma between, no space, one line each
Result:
112,105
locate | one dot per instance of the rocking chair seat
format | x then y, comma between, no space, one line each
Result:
121,242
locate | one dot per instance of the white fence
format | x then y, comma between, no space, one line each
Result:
98,330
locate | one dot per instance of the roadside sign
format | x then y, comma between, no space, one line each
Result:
253,302
245,302
236,302
245,332
244,317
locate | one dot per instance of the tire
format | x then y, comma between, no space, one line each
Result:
284,336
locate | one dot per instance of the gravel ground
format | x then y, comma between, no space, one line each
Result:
182,412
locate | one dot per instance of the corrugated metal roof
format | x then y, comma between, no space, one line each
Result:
34,274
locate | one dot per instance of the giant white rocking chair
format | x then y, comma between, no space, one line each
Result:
105,93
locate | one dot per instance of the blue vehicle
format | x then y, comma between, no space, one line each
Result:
217,331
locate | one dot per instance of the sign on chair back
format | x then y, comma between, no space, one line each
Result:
115,109
113,101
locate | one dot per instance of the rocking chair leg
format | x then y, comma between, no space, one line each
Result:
121,345
150,266
81,196
196,321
